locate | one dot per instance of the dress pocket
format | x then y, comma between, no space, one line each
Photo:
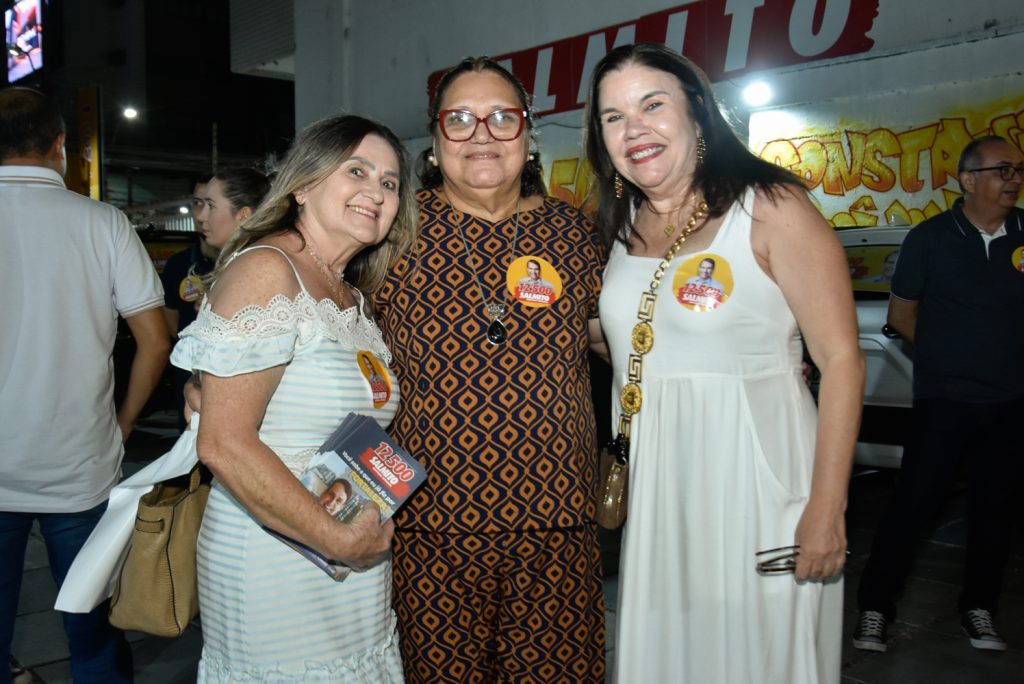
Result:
777,448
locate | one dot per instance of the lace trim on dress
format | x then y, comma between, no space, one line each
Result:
297,461
309,317
370,666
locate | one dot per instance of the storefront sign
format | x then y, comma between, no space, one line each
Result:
727,38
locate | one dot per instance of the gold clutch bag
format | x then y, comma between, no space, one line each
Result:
614,495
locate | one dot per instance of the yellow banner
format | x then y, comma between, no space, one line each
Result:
89,168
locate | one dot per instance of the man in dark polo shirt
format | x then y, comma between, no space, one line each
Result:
958,295
183,287
182,276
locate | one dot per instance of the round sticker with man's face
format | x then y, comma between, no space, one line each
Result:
191,288
377,377
1017,259
703,282
534,282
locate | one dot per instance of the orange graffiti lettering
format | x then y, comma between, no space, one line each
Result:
563,176
571,180
843,160
913,143
952,139
898,214
1010,127
781,153
877,175
842,174
812,161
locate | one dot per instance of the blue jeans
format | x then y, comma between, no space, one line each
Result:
99,652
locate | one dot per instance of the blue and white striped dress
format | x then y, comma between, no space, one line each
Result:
269,614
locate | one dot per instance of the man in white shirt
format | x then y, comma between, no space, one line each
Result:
71,266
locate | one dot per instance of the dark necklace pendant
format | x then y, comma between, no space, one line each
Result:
496,333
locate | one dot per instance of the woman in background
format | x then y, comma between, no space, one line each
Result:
230,202
231,198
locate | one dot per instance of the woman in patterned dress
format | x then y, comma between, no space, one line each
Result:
497,565
277,347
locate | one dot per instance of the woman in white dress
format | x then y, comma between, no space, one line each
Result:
277,346
727,454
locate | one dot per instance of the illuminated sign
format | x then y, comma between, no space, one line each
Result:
23,29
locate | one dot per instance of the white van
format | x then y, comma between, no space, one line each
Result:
888,394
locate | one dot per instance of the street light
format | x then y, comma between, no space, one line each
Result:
128,113
757,94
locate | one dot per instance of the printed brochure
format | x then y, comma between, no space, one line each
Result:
358,463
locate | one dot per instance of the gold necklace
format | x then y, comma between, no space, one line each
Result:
333,282
631,397
497,333
670,227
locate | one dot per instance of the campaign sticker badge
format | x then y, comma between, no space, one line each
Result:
191,288
1017,259
534,282
703,282
377,378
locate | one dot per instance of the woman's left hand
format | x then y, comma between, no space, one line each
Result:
821,537
801,253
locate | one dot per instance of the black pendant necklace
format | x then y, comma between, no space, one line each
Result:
496,331
496,310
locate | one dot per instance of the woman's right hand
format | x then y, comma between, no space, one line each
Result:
193,398
368,542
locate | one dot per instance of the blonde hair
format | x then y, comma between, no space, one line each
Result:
316,153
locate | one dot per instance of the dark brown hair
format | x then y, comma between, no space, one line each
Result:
532,179
29,123
243,187
729,168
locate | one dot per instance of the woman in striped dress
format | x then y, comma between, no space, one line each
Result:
277,346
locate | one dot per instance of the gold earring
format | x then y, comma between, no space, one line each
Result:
702,149
619,190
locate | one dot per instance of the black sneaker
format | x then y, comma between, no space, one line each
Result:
977,624
870,632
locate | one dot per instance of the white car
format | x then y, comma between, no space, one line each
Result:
888,393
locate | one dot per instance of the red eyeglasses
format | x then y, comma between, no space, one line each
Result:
459,125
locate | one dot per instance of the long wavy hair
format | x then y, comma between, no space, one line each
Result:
316,153
532,178
729,168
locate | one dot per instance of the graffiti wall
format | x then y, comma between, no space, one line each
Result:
890,159
886,160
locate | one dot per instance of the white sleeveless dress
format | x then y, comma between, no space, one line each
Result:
721,461
268,614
